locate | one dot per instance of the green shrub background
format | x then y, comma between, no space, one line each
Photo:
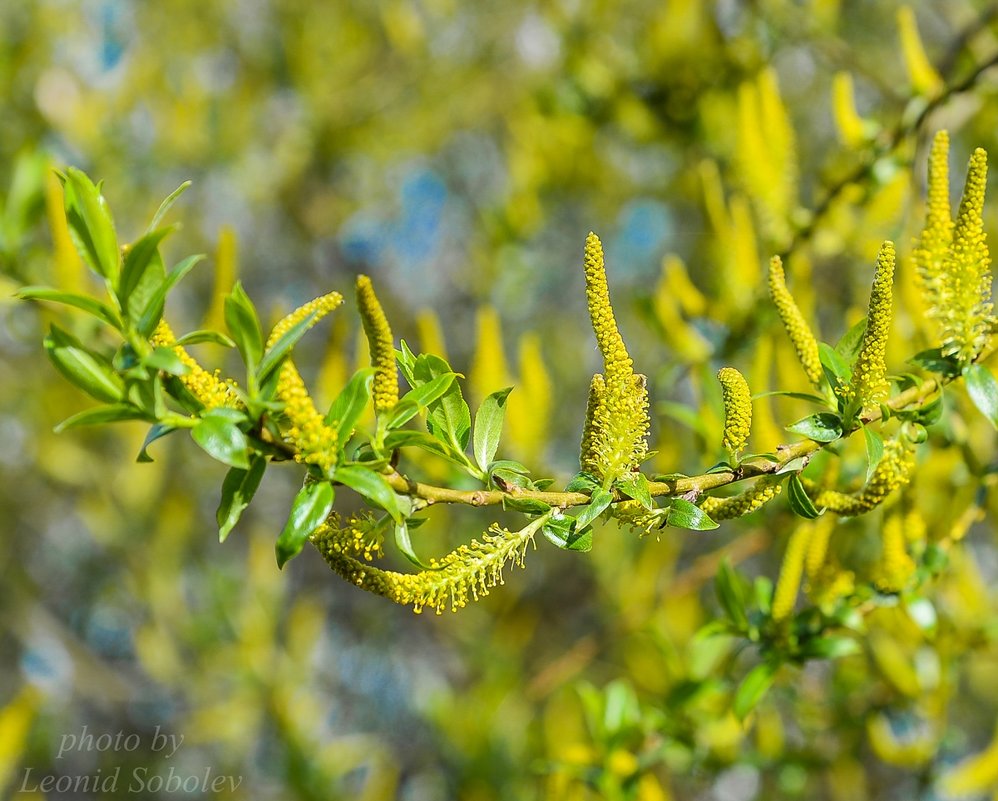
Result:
459,153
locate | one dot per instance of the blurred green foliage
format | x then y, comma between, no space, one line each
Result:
459,153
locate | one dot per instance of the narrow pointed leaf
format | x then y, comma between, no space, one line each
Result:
983,391
222,439
238,490
488,427
85,369
90,305
311,507
349,405
372,486
153,311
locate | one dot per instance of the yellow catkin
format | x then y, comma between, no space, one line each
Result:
430,334
893,472
737,401
796,326
896,566
315,442
760,493
589,458
923,76
465,574
226,269
358,537
207,387
489,370
382,346
619,429
868,384
848,123
528,413
817,547
931,251
791,571
967,303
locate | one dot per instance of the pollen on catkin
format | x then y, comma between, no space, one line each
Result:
737,401
933,244
760,493
801,336
967,311
617,425
465,574
315,442
893,472
952,259
207,387
868,372
382,346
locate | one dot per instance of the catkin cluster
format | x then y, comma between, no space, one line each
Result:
614,439
952,260
315,441
207,387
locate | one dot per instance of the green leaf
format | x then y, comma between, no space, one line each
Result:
407,361
448,417
90,225
598,502
214,337
275,356
84,368
830,648
141,273
753,689
238,490
848,347
90,305
165,206
635,485
349,405
404,544
112,413
416,400
244,325
372,486
780,393
874,450
821,427
837,370
933,361
405,438
733,592
684,514
983,391
153,311
167,360
567,535
222,439
488,427
311,507
156,432
582,482
800,501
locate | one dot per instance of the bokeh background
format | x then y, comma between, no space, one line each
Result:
459,153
